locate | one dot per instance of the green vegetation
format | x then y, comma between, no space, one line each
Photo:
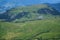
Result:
31,30
38,22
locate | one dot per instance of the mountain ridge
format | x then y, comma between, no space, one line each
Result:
29,12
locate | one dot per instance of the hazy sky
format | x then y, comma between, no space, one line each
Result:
10,3
21,2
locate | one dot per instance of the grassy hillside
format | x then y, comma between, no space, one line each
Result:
36,22
48,29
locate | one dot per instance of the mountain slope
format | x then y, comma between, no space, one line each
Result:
36,22
29,12
56,6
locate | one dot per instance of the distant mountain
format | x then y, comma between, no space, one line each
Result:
8,6
56,6
26,13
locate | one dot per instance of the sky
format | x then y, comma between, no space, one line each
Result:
6,4
27,2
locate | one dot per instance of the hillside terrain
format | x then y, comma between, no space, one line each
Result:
56,6
39,29
26,13
35,22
